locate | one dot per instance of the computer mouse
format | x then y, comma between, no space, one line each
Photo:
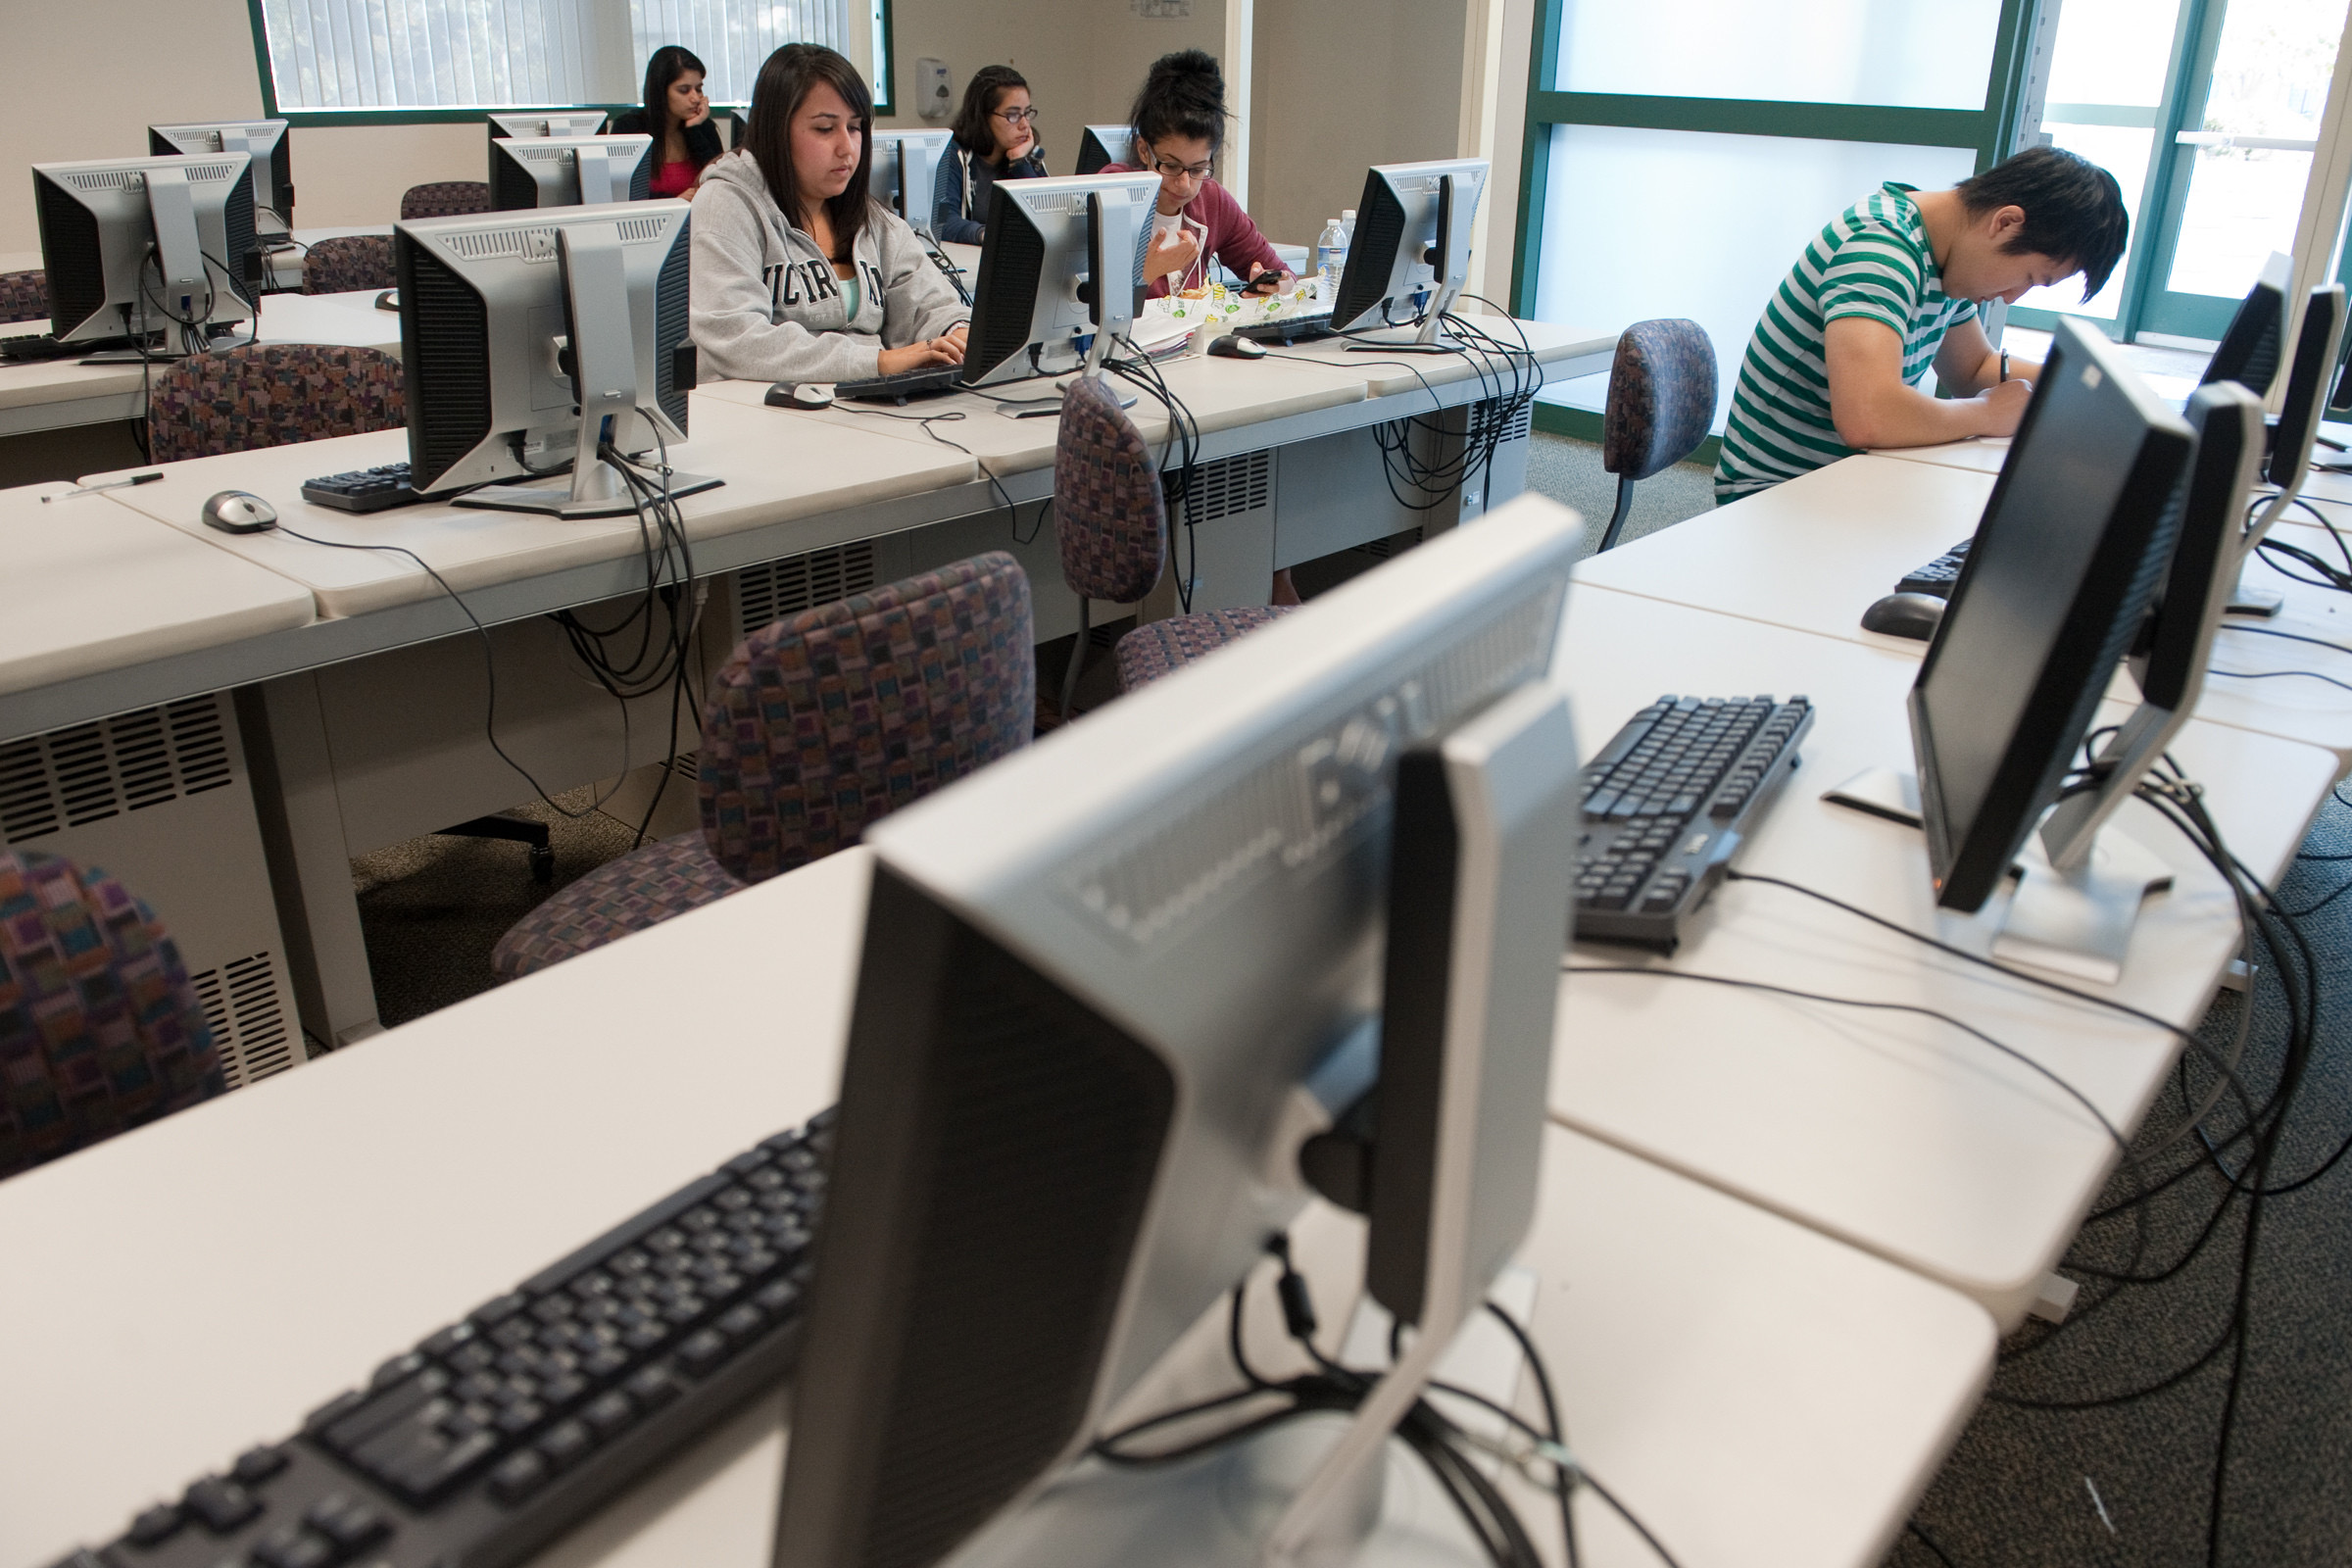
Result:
1234,345
388,300
239,512
1912,615
800,395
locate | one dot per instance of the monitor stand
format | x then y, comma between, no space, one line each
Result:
2077,922
601,492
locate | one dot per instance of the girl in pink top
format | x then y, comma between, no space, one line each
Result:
1179,121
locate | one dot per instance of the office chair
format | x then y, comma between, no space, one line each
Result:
819,724
1662,402
347,263
23,296
99,1028
1111,520
270,394
446,199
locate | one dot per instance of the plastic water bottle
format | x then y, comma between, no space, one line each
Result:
1331,257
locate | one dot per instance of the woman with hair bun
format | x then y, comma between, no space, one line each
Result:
1179,121
994,138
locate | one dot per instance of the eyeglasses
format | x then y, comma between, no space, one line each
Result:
1170,168
1017,117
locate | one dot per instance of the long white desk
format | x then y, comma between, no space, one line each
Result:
1816,552
1894,1132
52,394
1758,1393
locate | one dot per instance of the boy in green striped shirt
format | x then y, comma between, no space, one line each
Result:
1893,285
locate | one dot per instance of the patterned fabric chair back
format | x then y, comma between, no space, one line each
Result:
99,1028
1108,512
826,721
270,394
348,262
451,198
1661,397
24,296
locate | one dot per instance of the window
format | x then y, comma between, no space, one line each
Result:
378,59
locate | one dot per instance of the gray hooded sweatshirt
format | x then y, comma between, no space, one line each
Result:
767,305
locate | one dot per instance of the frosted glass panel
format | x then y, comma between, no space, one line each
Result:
2122,152
1641,224
1917,54
2112,52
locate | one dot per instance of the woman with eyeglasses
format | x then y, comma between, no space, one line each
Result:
1179,121
994,138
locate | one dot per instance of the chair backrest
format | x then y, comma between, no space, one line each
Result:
830,719
23,296
99,1028
1108,512
446,199
268,394
348,262
1661,397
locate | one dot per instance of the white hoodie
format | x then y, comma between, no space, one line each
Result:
767,305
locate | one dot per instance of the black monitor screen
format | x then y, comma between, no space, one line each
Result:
2062,568
2248,353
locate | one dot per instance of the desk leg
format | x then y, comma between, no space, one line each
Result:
310,863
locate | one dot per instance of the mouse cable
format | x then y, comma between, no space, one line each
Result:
2290,636
2279,674
1012,514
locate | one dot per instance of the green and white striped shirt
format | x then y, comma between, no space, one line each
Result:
1873,261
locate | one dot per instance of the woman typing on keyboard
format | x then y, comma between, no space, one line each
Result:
798,275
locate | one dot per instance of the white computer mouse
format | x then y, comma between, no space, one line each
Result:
239,512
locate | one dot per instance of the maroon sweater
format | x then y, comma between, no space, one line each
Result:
1232,238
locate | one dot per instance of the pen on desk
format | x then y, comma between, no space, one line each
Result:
111,484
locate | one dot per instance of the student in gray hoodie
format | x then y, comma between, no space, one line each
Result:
798,275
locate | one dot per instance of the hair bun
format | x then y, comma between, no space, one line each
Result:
1190,67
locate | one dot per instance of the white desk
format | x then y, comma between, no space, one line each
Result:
1814,553
1758,1393
1895,1133
55,392
117,590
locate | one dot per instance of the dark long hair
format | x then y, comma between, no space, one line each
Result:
670,62
786,79
973,132
1183,96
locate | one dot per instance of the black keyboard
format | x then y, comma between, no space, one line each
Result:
362,489
34,347
1288,329
511,1424
1936,576
1666,804
903,385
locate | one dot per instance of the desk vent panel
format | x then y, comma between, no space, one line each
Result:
774,589
241,1001
1515,427
90,772
1229,486
1396,543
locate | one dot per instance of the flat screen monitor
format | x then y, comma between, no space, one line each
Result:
2249,350
2318,340
503,319
1410,257
264,141
2064,565
1100,146
569,170
1097,977
734,122
141,247
904,171
507,123
1035,296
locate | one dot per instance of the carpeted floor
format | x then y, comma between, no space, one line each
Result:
2017,1491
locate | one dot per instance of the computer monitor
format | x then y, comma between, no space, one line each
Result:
1100,146
2065,562
1410,257
145,247
569,170
505,317
903,171
264,141
1048,241
504,123
1097,978
2248,352
734,122
2318,343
